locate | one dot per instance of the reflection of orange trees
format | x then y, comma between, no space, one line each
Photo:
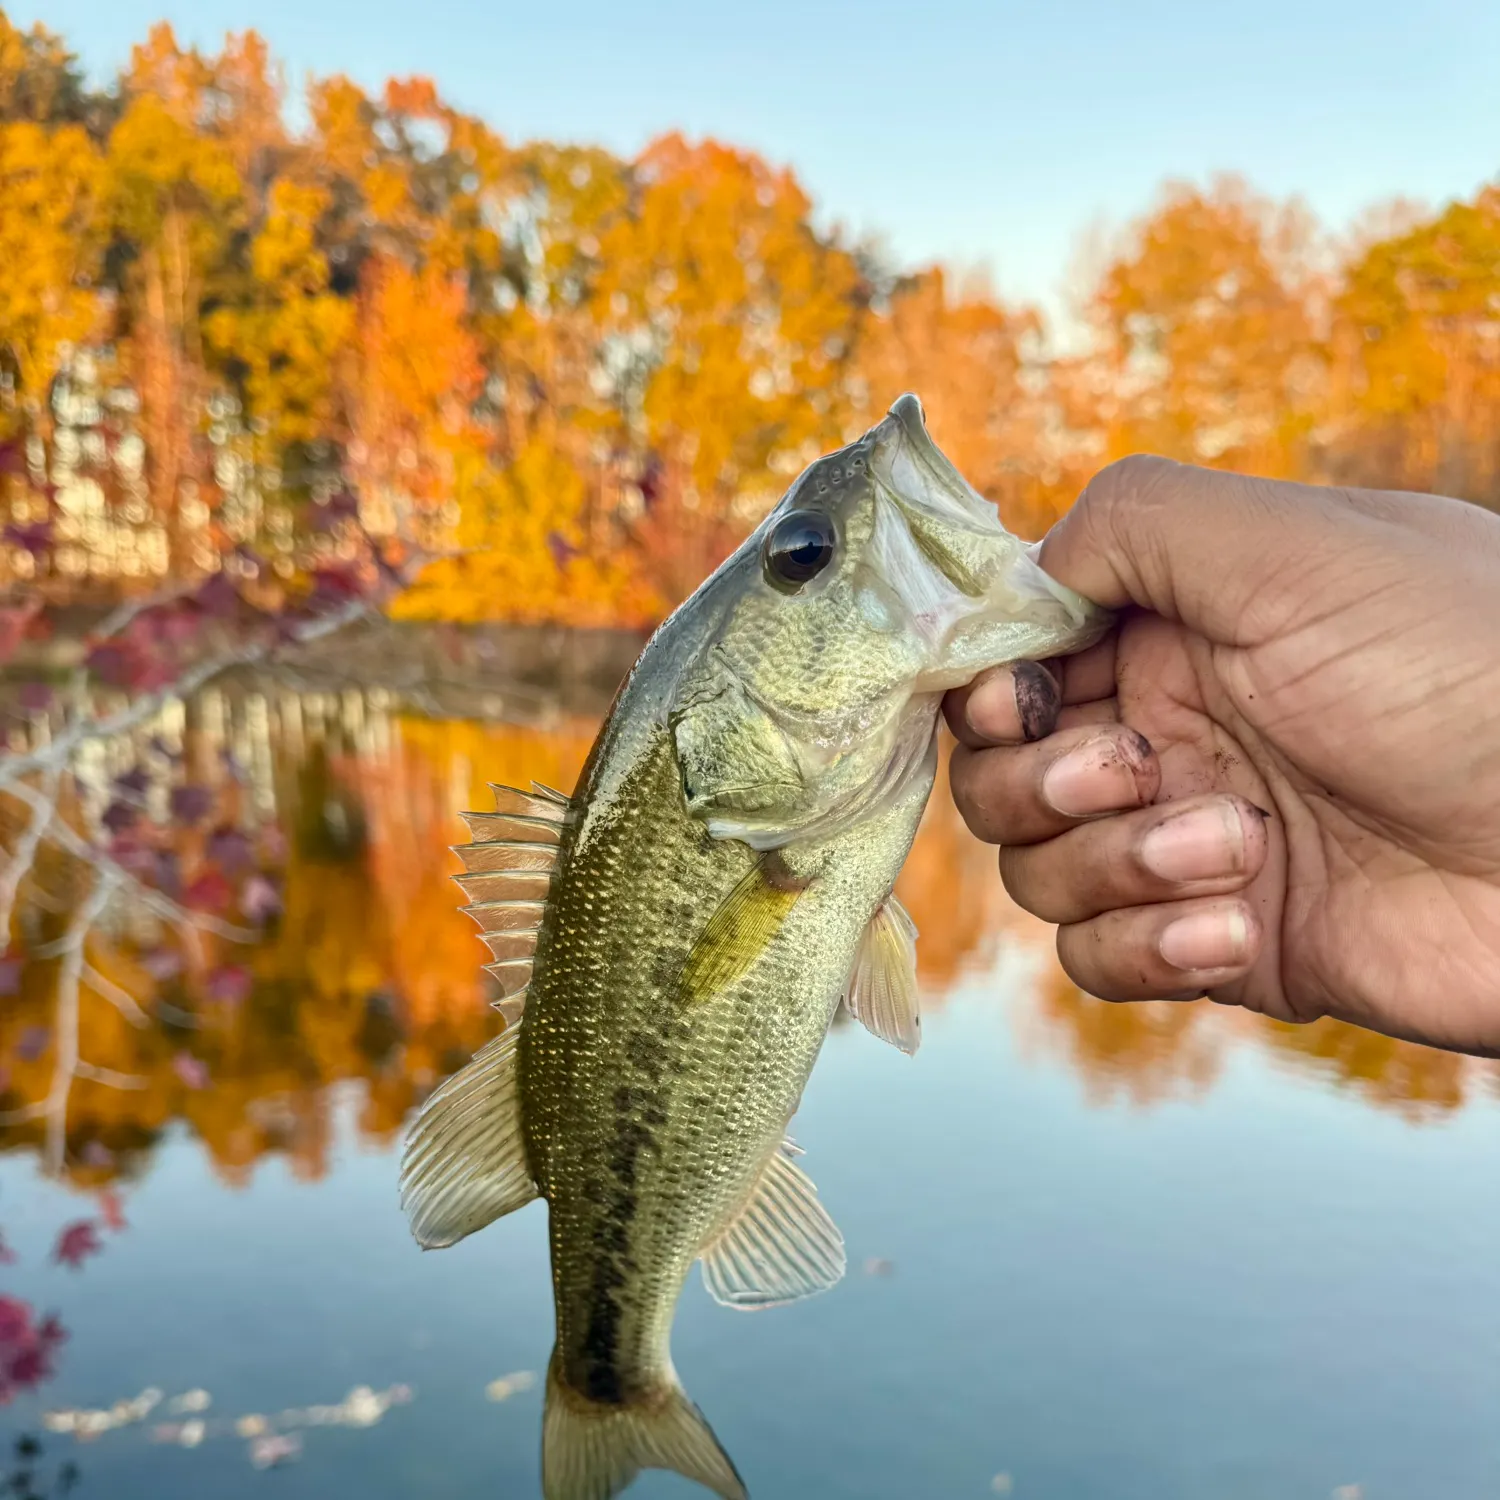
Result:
434,770
1147,1052
370,974
951,888
1140,1053
1419,1082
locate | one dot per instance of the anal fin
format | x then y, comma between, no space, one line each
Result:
882,993
781,1246
465,1160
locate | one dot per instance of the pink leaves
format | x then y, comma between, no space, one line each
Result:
15,624
208,891
259,900
191,1071
228,985
112,1212
76,1243
33,536
28,1347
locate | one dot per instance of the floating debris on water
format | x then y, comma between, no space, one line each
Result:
86,1423
875,1266
271,1440
1349,1492
1002,1484
510,1385
275,1448
362,1407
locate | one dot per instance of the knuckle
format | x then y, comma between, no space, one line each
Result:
970,775
1124,485
1026,874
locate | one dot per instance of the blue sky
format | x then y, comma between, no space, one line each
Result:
978,133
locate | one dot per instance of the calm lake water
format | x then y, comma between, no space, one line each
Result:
1147,1254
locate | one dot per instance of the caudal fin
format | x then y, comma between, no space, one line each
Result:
591,1451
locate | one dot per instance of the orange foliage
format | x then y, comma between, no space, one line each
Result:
593,375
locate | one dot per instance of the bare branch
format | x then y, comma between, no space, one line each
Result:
120,998
121,616
70,971
25,1113
138,710
24,854
109,1077
60,832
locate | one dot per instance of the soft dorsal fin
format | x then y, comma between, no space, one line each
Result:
465,1160
507,877
882,993
781,1246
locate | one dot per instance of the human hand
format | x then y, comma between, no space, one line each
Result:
1277,782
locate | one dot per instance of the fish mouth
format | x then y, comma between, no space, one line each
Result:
946,553
921,478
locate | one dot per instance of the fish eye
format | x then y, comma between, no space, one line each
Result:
799,547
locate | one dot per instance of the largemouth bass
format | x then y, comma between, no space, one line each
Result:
674,939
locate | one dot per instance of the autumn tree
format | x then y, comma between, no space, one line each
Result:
1207,328
979,369
727,322
1417,357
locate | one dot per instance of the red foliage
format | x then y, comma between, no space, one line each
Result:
208,892
76,1243
28,1348
112,1212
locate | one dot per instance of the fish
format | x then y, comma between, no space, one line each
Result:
673,940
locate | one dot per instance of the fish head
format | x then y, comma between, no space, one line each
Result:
880,580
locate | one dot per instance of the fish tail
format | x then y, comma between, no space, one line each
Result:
591,1450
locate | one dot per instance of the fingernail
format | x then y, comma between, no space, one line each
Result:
992,706
1215,939
1096,777
1197,845
1037,699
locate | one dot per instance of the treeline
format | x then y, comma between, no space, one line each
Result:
226,343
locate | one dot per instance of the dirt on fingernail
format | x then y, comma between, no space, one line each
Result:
1037,699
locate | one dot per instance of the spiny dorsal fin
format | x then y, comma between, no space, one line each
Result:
780,1247
465,1159
507,876
882,992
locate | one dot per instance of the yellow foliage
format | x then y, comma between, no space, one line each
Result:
49,245
293,335
1208,350
522,531
593,375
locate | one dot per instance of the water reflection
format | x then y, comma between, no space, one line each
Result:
263,965
310,834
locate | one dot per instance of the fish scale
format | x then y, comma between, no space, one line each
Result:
672,942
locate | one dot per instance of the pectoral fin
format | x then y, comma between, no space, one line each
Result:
741,929
882,992
780,1247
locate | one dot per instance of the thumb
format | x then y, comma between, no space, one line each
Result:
1208,548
